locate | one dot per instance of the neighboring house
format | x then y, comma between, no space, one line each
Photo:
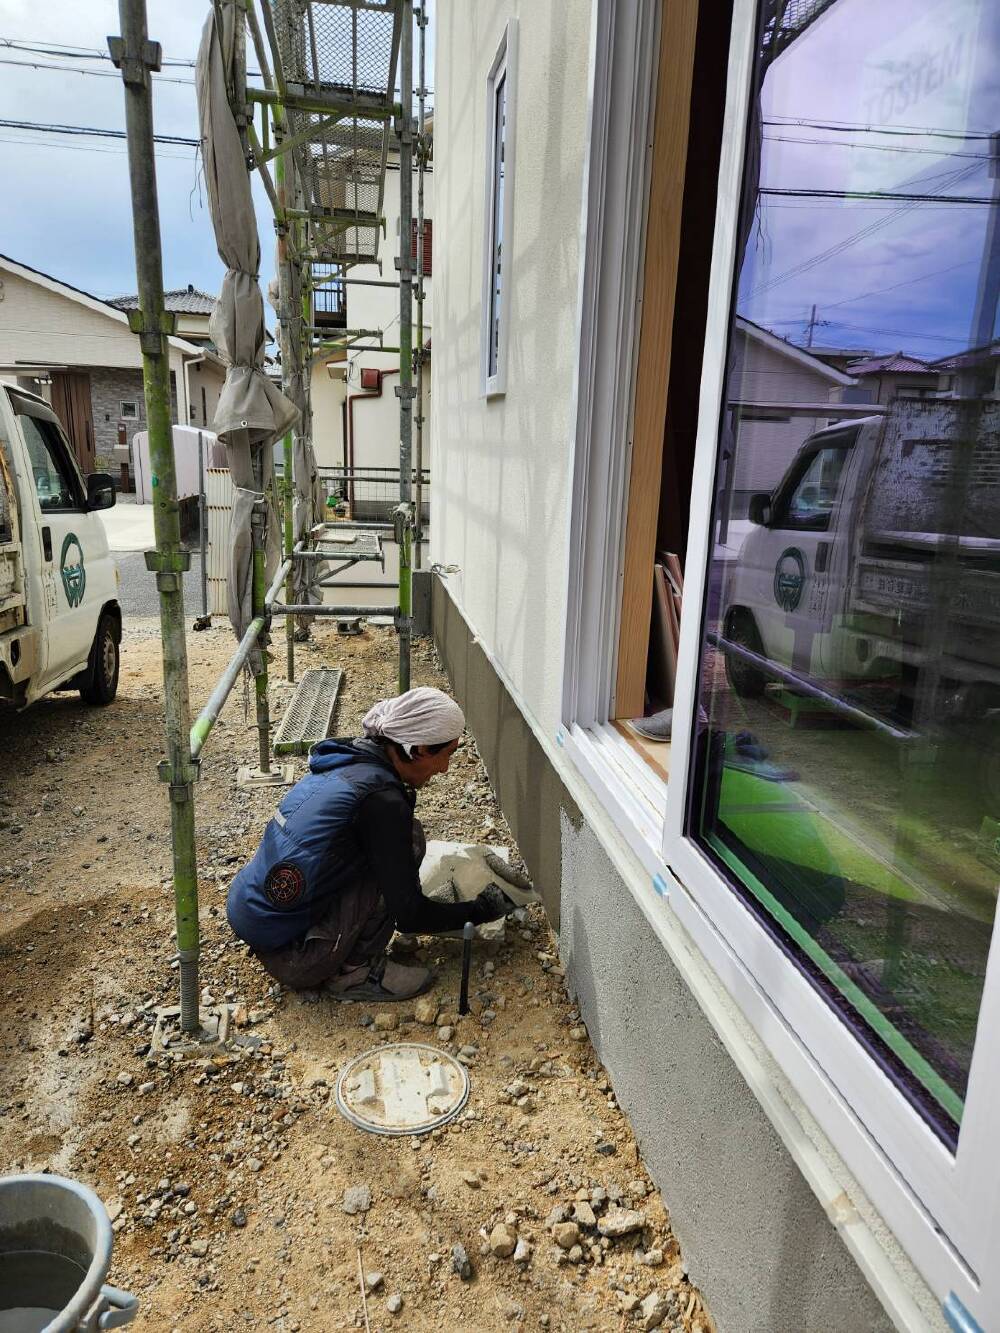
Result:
976,371
192,311
774,388
880,379
78,352
592,253
356,416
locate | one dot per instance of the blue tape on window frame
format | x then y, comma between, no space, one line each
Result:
958,1316
660,885
560,738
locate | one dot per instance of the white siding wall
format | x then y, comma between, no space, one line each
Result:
502,468
36,324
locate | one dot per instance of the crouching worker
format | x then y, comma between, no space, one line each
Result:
337,869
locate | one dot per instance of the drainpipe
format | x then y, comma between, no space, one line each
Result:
136,56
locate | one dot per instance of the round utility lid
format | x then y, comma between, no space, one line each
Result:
404,1088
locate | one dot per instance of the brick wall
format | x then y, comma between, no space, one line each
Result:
109,388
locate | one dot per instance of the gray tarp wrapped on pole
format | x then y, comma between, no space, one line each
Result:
252,412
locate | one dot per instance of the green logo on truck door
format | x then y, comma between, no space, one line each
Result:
74,576
789,579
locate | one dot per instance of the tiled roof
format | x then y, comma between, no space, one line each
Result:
894,363
975,356
183,301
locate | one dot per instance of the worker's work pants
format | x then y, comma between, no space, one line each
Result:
354,931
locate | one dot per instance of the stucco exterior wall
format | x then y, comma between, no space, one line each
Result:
205,381
328,396
503,467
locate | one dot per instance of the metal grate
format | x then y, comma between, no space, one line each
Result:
309,716
347,49
784,20
362,545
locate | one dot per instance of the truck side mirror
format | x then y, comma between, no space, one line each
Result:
759,509
100,490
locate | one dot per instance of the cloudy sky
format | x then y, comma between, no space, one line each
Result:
869,118
65,204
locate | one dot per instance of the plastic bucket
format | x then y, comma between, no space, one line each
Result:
55,1251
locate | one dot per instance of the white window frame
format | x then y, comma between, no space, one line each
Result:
128,416
504,67
941,1207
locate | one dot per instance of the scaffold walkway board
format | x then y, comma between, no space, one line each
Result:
340,54
309,716
356,545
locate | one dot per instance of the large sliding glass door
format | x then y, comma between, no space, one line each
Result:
839,817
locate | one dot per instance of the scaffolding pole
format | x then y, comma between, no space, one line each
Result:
325,116
422,150
404,389
137,57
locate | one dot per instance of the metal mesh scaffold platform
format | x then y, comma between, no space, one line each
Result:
350,545
309,716
341,52
786,20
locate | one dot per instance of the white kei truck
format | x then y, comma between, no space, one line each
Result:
60,619
876,557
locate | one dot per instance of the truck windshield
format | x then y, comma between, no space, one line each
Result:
50,468
808,498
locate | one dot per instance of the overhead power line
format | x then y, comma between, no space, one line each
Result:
946,179
849,127
882,194
92,73
874,147
64,52
93,131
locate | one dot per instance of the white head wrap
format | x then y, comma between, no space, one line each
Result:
424,716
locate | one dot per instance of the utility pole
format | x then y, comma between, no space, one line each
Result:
137,57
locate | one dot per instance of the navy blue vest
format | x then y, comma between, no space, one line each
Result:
310,848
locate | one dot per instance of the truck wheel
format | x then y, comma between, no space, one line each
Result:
745,679
102,669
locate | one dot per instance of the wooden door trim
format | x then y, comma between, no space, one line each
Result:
678,31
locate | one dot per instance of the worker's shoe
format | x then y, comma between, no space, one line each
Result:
387,982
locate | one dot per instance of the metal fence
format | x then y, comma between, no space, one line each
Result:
369,494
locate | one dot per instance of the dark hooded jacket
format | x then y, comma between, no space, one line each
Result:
311,848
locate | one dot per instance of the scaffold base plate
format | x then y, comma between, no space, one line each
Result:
309,716
213,1033
283,775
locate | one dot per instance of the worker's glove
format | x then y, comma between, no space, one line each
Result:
490,905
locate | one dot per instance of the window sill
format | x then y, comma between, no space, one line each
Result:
633,796
655,754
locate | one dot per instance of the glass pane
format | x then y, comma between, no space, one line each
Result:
847,775
52,482
499,143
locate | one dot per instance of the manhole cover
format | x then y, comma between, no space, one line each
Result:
405,1088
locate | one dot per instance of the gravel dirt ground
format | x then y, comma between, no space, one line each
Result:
226,1177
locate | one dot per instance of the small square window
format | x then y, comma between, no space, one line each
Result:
129,411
